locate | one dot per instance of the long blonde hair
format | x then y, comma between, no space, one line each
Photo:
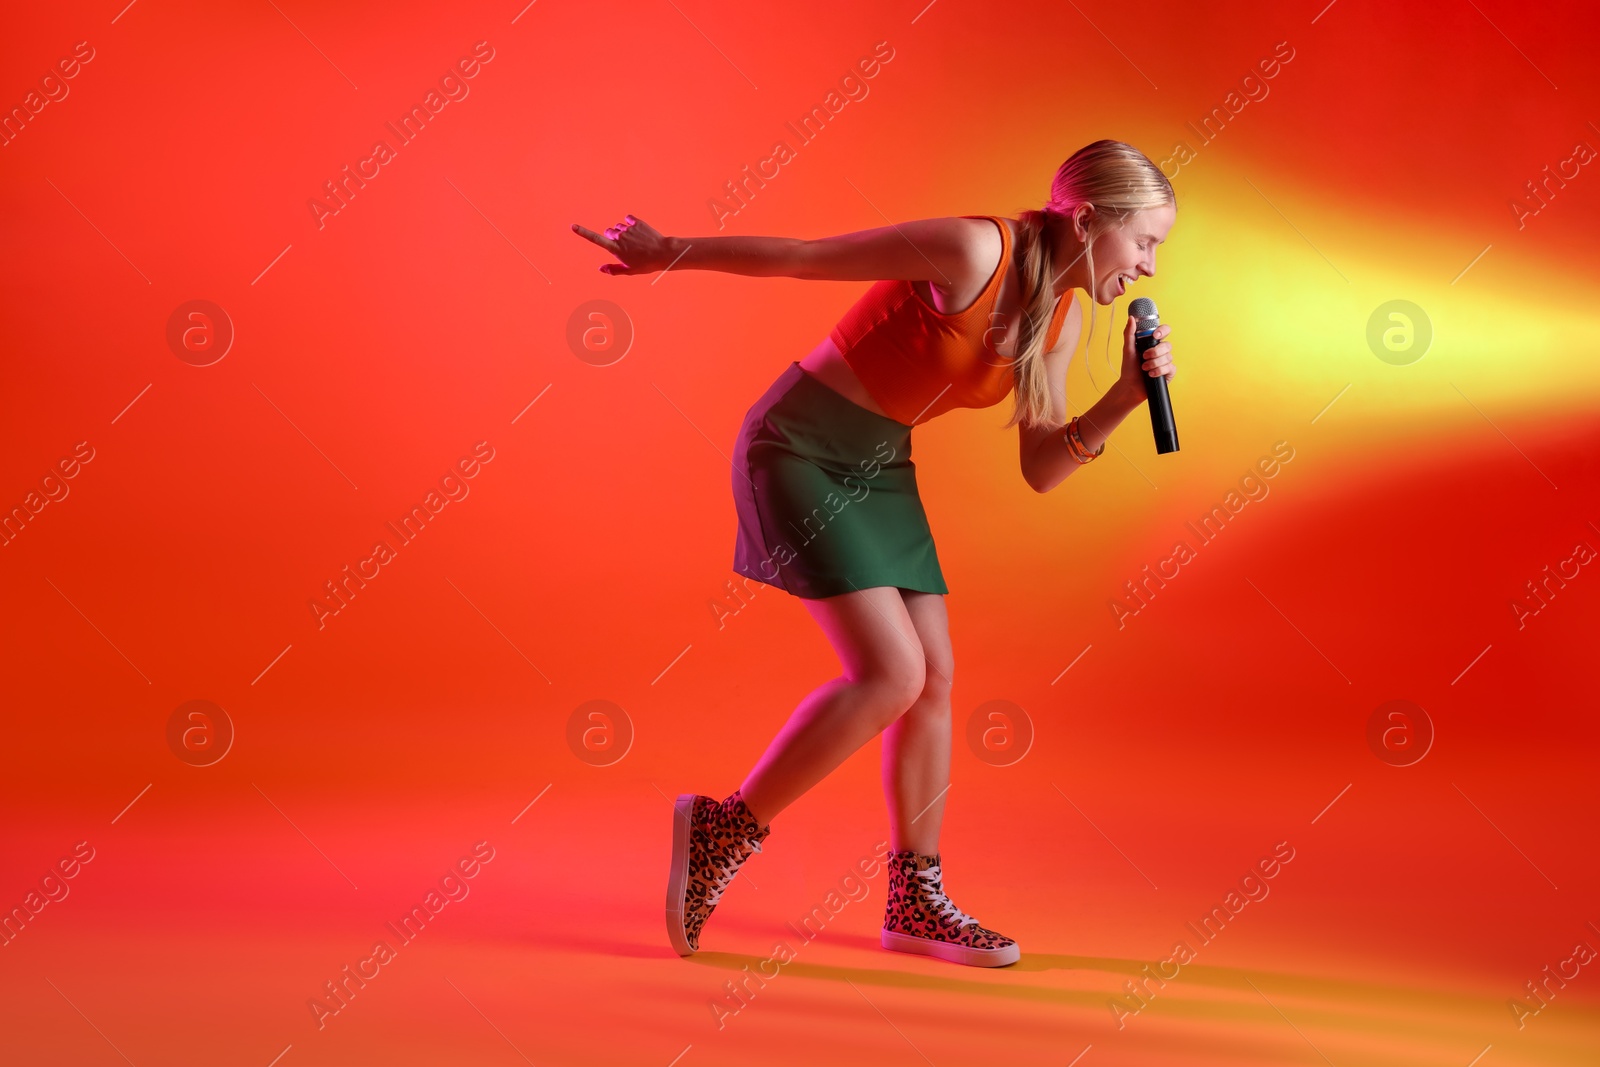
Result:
1117,180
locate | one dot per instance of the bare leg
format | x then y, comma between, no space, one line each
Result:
876,642
916,747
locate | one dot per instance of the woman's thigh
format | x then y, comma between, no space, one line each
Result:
932,623
874,636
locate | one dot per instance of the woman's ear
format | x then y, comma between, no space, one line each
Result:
1080,219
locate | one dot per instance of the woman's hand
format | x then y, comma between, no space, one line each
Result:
1155,362
635,243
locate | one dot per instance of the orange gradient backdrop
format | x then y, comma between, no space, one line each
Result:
431,316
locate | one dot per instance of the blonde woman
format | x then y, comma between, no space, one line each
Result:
963,311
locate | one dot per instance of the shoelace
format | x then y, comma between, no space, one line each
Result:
933,895
725,872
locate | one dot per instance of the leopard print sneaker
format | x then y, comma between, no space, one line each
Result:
710,842
919,918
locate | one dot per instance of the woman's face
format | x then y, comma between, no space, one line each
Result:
1122,254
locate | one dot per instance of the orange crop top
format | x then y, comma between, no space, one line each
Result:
917,362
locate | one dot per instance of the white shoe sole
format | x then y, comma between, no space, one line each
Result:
952,953
678,875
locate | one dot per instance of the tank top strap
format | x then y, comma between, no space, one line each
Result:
1005,243
991,292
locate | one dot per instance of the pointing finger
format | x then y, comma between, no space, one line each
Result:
603,242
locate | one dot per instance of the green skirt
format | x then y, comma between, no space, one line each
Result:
826,495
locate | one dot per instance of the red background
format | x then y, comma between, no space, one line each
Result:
373,352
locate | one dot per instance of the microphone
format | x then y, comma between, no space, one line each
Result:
1143,309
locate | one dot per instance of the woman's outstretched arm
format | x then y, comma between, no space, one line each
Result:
939,250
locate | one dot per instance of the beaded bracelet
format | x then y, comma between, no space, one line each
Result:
1075,446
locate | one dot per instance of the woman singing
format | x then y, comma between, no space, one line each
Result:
826,492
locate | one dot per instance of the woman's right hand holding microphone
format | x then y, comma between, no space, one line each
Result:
1136,367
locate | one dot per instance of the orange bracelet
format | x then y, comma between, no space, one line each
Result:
1075,445
1072,446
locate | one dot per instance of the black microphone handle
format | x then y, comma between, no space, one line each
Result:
1160,404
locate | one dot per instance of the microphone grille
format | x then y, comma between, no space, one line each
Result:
1143,308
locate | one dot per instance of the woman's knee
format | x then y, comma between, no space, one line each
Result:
896,684
938,675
